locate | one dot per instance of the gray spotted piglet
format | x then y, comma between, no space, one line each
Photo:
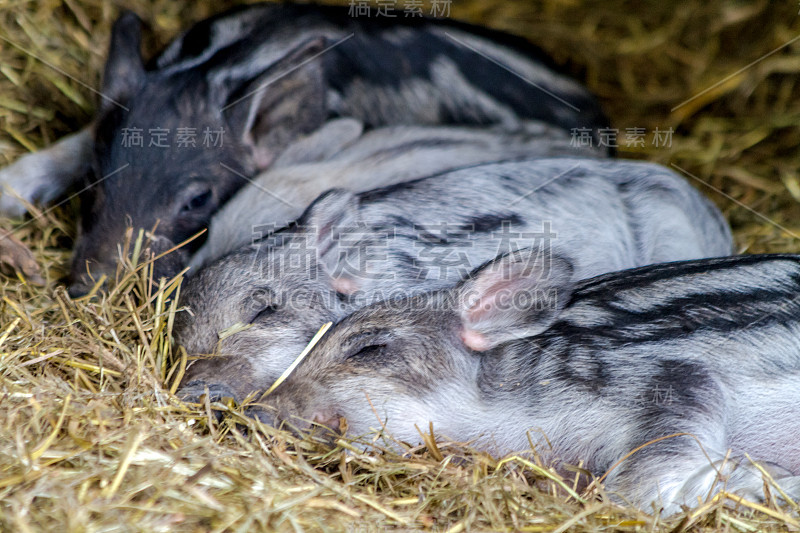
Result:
692,366
350,249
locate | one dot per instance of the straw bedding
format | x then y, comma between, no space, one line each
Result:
91,436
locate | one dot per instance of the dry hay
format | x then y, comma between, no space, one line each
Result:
91,437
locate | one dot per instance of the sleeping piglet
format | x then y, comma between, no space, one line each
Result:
350,249
692,364
176,136
342,154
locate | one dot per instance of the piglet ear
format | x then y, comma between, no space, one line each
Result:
517,295
322,144
330,222
124,71
269,105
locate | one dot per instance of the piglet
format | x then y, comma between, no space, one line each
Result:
348,250
176,136
341,153
662,378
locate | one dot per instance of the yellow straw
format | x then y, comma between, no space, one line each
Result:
300,357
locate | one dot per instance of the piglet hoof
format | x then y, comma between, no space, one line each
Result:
15,256
194,391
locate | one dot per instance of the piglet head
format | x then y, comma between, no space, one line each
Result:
249,314
400,364
174,143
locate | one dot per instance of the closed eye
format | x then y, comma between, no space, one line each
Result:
197,202
265,312
368,352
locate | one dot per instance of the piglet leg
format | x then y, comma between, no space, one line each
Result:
16,255
45,175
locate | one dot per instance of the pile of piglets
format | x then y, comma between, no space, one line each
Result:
439,192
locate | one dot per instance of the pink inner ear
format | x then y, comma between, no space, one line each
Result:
262,158
344,285
501,288
479,310
474,340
